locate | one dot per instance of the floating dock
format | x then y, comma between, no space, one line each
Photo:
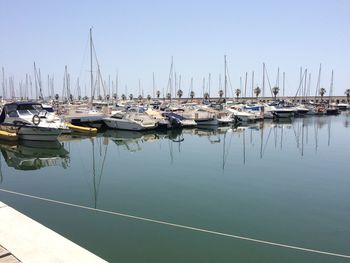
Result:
24,240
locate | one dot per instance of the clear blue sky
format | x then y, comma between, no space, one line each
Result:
139,37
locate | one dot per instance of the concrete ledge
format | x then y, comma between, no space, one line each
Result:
30,241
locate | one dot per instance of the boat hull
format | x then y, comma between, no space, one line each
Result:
122,124
38,133
283,114
207,122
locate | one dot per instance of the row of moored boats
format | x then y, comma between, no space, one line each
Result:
39,122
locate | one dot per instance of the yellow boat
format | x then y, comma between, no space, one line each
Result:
81,129
8,136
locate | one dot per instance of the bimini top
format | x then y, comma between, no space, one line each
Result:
18,106
20,103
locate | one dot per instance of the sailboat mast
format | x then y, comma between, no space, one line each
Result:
225,78
3,83
252,84
91,76
331,89
154,85
284,82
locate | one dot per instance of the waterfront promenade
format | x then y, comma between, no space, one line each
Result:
25,240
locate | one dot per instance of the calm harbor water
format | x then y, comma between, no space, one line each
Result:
285,182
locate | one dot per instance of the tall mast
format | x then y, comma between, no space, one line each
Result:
35,82
3,83
331,89
225,77
245,84
263,84
253,84
91,76
318,81
154,86
284,82
209,83
116,86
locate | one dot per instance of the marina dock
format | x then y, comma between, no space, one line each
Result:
24,240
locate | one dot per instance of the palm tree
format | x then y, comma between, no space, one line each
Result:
123,97
57,96
71,97
158,94
115,96
322,92
179,94
206,96
131,96
168,96
79,97
149,98
192,95
237,92
107,97
275,91
221,93
140,98
347,93
257,92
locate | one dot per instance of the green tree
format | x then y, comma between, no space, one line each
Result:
179,94
221,93
192,94
237,92
322,92
347,93
257,92
275,91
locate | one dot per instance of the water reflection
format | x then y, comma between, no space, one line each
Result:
250,140
33,155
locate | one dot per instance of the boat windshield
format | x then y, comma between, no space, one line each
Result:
24,112
27,109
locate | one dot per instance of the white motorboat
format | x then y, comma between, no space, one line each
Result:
283,112
133,121
29,120
242,116
200,116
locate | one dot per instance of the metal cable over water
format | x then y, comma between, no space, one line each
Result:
180,226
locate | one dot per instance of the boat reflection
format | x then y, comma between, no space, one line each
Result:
132,140
34,155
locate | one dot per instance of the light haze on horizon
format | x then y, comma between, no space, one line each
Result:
137,38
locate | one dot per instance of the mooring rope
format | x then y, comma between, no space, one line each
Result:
180,226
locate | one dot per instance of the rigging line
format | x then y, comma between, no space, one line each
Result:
229,80
268,80
84,57
181,226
